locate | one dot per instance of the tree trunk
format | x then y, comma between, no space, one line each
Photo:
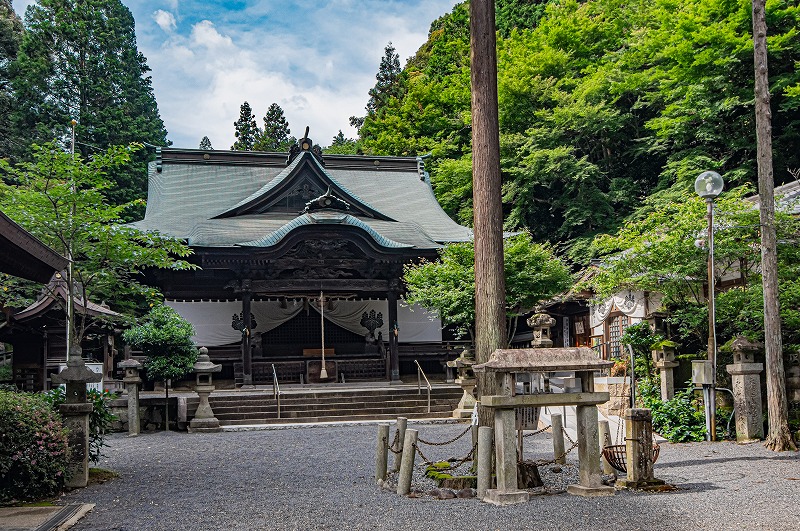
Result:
779,437
490,323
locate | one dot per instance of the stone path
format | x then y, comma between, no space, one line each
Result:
322,478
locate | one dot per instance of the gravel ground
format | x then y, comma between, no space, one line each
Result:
323,478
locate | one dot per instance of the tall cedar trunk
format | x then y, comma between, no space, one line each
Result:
490,327
779,437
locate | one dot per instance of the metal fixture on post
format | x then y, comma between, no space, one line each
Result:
708,186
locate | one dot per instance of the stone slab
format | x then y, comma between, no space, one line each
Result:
590,492
498,497
545,399
642,484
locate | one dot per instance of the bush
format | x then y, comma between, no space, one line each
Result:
100,418
677,419
166,339
33,448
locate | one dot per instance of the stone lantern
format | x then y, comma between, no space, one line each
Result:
541,324
132,381
664,358
466,379
746,385
76,411
204,419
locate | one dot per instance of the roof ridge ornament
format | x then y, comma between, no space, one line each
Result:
326,201
303,145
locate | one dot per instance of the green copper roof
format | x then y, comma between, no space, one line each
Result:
276,236
196,193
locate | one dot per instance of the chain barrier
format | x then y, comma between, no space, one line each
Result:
452,465
566,434
537,432
445,443
394,443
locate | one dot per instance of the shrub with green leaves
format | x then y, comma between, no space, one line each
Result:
166,339
679,419
33,448
100,418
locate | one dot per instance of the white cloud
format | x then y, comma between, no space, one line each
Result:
316,62
165,20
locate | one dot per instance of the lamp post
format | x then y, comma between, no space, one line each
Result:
708,186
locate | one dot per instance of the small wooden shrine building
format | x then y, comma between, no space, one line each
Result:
288,240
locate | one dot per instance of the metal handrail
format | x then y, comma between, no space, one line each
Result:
276,389
419,383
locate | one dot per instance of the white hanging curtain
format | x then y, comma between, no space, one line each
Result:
212,319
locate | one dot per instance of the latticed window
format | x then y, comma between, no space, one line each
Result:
616,327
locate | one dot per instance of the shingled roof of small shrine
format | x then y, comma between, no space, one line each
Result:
207,197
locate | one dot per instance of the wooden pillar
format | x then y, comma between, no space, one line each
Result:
247,354
394,355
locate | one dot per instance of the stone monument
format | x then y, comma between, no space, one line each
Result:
541,323
664,358
503,365
204,419
76,411
466,379
746,385
639,456
132,381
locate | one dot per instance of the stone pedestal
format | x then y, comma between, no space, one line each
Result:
467,404
639,451
76,416
664,359
204,419
132,382
507,491
746,390
591,483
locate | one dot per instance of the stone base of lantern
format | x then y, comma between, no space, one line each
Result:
505,497
590,492
204,426
467,404
642,484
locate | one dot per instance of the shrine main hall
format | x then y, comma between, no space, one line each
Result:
312,248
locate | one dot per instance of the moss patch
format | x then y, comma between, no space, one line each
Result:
101,475
440,473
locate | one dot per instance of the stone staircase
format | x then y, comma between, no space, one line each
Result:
324,405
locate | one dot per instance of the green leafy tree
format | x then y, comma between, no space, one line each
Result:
275,134
11,32
78,61
61,199
205,143
389,81
246,129
341,145
166,339
447,286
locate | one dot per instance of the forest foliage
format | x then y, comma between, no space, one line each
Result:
602,104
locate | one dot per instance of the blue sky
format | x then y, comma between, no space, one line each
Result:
317,60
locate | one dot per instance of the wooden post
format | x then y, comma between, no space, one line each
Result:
779,437
394,355
247,355
407,462
557,427
382,453
490,318
402,422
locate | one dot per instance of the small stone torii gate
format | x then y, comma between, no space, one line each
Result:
503,365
